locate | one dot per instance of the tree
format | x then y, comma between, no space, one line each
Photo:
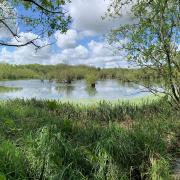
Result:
152,39
41,17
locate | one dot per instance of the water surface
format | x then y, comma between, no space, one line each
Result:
78,90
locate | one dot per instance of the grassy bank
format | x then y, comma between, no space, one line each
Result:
132,101
50,140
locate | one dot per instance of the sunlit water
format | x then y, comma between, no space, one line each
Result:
78,90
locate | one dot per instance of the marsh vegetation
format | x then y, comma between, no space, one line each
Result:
53,140
67,73
46,139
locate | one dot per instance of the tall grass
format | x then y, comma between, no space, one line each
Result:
51,140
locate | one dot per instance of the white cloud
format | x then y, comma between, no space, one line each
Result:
26,54
94,53
70,56
70,38
23,38
97,54
67,40
5,56
87,22
99,49
87,16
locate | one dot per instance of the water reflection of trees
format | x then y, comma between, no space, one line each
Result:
151,82
126,84
66,89
91,91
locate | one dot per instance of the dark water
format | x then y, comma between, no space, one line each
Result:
78,90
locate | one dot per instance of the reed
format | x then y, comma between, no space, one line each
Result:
67,73
54,140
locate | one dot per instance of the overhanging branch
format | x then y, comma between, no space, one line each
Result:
43,8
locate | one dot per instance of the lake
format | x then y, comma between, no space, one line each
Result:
77,90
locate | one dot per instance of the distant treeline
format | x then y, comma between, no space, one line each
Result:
67,73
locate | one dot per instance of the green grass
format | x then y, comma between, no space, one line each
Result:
56,140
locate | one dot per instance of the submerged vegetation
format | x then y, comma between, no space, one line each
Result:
54,140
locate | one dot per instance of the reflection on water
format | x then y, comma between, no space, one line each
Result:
66,89
8,89
108,89
91,91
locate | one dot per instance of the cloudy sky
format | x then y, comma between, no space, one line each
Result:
84,43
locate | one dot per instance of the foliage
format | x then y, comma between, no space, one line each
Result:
152,39
42,18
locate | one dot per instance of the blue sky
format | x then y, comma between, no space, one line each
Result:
84,43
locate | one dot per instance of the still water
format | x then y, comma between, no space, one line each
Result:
78,90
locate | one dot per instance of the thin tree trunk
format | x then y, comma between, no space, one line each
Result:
173,89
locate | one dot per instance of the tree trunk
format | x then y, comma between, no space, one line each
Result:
173,86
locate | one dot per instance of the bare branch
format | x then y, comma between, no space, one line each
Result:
20,45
